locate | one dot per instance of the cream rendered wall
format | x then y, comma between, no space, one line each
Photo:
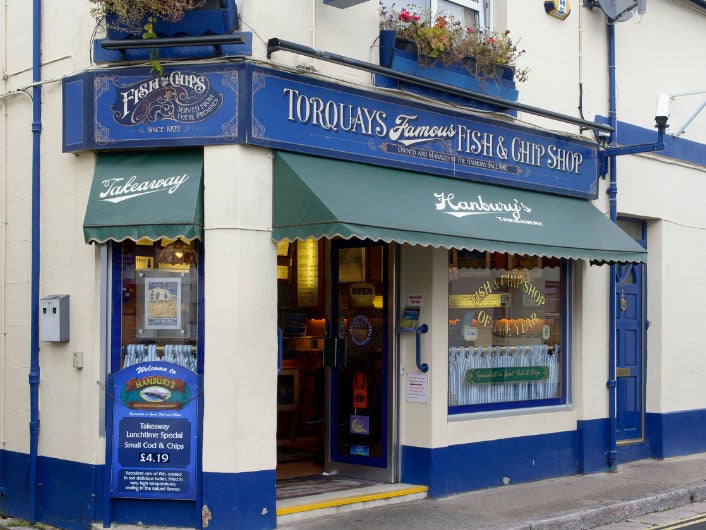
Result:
68,265
240,357
15,135
672,193
662,53
351,32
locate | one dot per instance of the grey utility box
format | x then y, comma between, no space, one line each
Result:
54,318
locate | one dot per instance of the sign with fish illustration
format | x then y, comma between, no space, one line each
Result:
155,418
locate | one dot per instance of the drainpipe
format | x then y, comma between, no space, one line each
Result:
612,199
34,317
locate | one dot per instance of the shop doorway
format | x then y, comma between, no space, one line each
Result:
631,320
334,395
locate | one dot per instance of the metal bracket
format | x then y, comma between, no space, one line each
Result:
631,149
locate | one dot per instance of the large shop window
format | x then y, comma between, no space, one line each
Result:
506,323
158,301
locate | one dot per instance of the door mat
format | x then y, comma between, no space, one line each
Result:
316,484
286,455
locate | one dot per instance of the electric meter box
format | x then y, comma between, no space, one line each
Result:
54,318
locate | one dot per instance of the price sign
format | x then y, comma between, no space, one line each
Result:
154,445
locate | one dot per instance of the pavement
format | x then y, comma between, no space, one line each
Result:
574,503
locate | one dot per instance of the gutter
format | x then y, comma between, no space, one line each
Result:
34,317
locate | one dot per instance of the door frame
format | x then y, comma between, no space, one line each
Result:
391,472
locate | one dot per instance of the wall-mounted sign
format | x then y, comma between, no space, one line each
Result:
133,108
199,105
309,115
154,445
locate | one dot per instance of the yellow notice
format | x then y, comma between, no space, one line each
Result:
144,263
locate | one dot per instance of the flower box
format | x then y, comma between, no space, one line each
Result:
455,75
215,17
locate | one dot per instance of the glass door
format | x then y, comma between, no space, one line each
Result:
360,383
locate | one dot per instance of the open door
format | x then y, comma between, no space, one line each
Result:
359,363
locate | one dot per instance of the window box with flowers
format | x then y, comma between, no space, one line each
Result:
125,19
138,19
438,48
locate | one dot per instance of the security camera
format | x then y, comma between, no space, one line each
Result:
662,112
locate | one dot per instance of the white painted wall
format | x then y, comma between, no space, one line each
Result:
240,357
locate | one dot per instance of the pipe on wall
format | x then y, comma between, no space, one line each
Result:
612,199
34,305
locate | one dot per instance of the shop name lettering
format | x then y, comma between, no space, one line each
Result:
179,96
118,190
405,130
478,206
504,326
165,382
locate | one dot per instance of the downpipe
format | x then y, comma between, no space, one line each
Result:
34,317
612,199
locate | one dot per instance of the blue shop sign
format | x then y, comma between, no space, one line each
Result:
154,441
327,119
243,103
131,108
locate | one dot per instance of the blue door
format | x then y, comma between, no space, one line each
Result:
631,334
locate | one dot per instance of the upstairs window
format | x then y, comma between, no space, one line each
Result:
473,13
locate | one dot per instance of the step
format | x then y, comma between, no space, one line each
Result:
302,508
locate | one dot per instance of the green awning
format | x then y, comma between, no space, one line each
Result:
318,197
146,195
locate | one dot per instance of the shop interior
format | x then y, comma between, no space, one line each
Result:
301,269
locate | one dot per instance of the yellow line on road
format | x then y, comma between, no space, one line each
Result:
681,523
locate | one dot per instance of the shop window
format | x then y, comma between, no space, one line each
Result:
159,293
506,329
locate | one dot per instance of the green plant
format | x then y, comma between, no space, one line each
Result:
440,38
138,17
491,50
131,14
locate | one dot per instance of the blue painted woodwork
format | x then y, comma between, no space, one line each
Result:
101,55
629,343
678,148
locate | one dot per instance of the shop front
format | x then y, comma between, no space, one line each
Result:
418,272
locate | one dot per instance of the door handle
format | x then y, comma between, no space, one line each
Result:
421,329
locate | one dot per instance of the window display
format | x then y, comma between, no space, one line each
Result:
159,314
505,331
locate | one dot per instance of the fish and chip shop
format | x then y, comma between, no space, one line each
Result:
304,279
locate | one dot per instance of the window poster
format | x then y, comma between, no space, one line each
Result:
155,418
162,303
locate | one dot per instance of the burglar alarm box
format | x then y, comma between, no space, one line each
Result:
54,318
